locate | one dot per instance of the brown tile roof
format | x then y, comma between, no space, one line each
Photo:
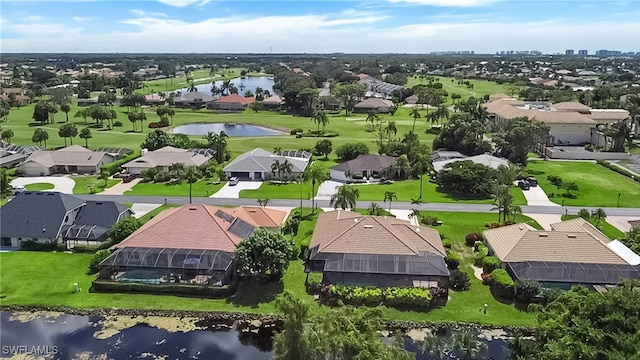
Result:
499,96
508,109
74,155
520,242
350,232
612,115
571,106
196,227
580,225
260,216
366,162
234,98
374,103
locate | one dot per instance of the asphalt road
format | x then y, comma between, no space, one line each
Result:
361,204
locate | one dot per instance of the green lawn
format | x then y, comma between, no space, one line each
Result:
39,186
480,87
307,225
410,189
201,188
199,76
148,216
609,230
598,186
91,184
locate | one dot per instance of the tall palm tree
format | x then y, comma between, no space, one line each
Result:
619,133
391,128
345,197
372,117
192,87
192,174
415,114
286,168
320,118
507,174
316,174
442,112
218,143
599,214
374,209
276,168
390,196
502,199
226,86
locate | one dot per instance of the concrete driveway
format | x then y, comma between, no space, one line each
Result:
60,183
536,196
121,187
233,192
327,189
622,222
141,209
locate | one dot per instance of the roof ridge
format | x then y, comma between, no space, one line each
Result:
520,239
354,223
424,238
209,208
377,219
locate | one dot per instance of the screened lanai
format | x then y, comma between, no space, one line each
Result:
166,265
580,273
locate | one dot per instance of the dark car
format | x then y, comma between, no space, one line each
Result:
128,178
524,185
532,181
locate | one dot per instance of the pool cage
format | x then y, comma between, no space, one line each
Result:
579,273
166,265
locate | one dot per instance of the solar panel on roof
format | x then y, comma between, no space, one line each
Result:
241,229
224,216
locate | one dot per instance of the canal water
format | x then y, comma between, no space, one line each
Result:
64,336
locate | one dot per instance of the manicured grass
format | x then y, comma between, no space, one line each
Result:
609,230
408,190
201,188
291,190
91,184
148,216
199,76
39,186
480,87
598,186
307,225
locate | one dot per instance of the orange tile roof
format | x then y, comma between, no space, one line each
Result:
234,98
196,226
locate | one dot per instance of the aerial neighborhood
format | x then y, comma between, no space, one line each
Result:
441,188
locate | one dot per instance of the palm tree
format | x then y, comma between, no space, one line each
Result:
374,209
320,118
314,173
510,173
192,87
391,196
345,197
391,128
415,114
225,88
465,342
599,214
218,143
442,112
286,168
263,202
513,211
276,168
415,214
502,199
176,169
372,117
619,133
192,174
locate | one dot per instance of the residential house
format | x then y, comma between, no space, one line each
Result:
194,99
154,100
484,159
52,217
232,102
376,105
411,100
354,249
190,244
446,155
164,157
572,252
72,159
257,164
273,102
367,166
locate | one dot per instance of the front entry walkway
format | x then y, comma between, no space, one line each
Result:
536,196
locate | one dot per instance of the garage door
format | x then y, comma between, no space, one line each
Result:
242,175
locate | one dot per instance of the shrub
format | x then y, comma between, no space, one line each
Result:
295,131
154,125
96,260
472,238
31,245
356,296
351,151
527,290
149,174
123,228
453,259
304,252
447,244
429,220
489,263
213,292
459,281
502,283
619,170
117,124
114,167
407,297
483,251
476,245
548,295
314,283
85,249
162,176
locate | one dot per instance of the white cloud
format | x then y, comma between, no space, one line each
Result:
142,13
183,3
82,18
447,3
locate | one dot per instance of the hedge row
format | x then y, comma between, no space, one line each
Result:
370,296
114,167
173,289
619,170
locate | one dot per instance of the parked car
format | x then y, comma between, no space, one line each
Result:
532,181
128,178
524,185
233,181
15,190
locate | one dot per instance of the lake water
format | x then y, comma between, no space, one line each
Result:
249,83
235,130
71,336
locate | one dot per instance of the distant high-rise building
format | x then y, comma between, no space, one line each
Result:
568,52
583,52
608,53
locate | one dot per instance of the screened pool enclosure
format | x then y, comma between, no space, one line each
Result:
578,273
165,265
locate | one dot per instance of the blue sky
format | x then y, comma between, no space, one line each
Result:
408,26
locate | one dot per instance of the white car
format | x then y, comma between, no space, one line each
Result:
18,189
233,181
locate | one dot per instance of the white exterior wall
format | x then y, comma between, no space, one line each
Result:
338,175
33,169
570,134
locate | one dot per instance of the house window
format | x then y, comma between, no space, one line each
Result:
6,241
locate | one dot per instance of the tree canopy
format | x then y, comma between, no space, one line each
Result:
265,254
467,177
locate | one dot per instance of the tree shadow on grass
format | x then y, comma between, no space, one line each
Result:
461,196
252,292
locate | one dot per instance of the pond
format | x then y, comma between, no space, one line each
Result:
243,85
63,336
232,130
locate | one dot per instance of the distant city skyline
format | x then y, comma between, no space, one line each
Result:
393,26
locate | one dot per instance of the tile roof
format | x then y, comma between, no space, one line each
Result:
74,155
608,114
167,156
273,99
350,232
520,242
374,103
570,106
261,160
580,225
508,109
198,227
366,162
234,98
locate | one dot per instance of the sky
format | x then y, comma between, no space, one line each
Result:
302,26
